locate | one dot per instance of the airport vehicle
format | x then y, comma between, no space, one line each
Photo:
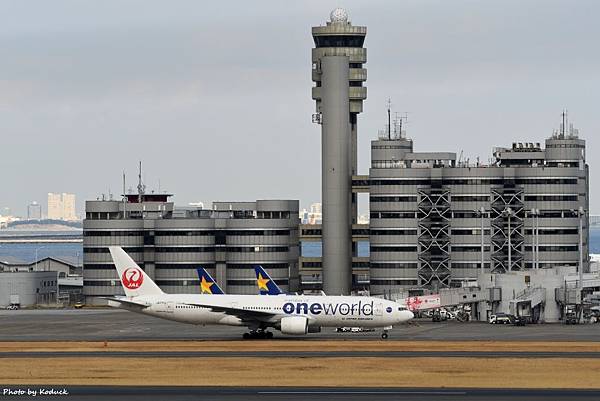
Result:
442,314
12,307
207,284
290,314
571,314
505,318
500,318
78,305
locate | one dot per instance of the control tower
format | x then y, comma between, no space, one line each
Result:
338,74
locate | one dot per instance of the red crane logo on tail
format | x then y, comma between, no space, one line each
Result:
132,278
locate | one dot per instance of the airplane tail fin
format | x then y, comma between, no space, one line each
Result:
266,285
134,280
207,284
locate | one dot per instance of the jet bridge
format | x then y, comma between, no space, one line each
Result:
529,303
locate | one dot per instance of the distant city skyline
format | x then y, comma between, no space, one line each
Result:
97,86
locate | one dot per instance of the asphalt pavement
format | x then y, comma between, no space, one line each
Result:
181,393
298,354
114,324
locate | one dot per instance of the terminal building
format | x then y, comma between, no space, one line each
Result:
170,243
437,222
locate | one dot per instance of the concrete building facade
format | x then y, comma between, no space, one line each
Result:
171,243
436,222
28,288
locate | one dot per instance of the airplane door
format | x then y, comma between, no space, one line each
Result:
170,307
378,309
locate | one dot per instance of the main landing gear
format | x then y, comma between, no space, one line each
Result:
257,334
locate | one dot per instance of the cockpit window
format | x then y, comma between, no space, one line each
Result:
401,308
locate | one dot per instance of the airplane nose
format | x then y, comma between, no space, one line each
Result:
410,315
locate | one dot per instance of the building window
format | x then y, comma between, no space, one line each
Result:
339,40
182,249
394,248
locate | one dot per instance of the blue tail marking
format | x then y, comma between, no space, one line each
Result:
207,284
266,285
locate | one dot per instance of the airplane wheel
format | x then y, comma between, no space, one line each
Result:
246,336
384,336
269,334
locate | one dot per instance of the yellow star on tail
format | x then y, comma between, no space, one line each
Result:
262,282
205,286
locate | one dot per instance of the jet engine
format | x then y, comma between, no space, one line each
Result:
294,325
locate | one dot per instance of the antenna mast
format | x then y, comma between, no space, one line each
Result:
124,198
389,111
141,187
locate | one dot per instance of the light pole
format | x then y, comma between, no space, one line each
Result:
481,213
537,239
509,212
36,256
581,214
535,231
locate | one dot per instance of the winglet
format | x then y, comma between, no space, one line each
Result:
133,279
266,285
207,284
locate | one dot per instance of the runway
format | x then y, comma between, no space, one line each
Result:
177,393
300,354
114,324
101,353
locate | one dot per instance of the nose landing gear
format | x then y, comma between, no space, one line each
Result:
384,335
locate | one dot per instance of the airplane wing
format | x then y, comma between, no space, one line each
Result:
242,314
126,302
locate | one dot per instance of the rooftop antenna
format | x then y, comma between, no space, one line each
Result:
141,187
563,126
124,198
389,111
399,122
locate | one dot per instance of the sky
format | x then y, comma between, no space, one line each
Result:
215,97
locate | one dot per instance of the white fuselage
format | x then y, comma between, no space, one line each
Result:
321,311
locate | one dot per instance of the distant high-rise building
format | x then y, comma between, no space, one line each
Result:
34,211
61,206
315,216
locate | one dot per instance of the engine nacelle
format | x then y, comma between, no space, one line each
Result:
294,325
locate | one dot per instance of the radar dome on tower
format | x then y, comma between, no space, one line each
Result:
338,15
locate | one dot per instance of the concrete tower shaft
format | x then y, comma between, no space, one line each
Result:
338,73
336,177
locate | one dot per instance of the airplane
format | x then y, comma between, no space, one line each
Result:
207,284
266,285
290,314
